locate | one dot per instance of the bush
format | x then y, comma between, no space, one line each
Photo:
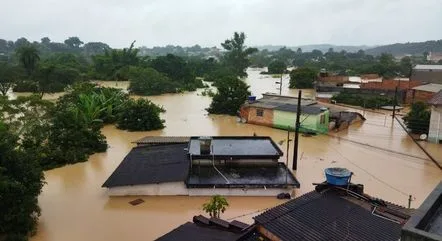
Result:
140,115
366,101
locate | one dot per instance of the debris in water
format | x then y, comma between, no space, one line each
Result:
136,202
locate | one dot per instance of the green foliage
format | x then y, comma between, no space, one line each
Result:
148,81
418,119
217,205
277,67
302,78
367,101
232,93
237,56
21,181
53,78
178,71
9,75
114,64
408,48
28,56
140,115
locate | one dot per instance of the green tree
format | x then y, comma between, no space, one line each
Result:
9,75
148,81
302,78
73,42
53,78
217,205
28,56
140,115
406,66
237,56
418,119
21,181
277,67
232,93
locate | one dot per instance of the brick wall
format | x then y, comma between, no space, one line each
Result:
265,120
418,95
369,76
391,84
334,79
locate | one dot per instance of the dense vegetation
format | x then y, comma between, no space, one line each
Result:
363,100
276,67
418,119
302,78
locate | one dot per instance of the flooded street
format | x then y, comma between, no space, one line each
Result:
379,152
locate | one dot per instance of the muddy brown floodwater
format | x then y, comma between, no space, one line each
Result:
75,207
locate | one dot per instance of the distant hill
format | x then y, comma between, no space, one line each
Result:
321,47
400,49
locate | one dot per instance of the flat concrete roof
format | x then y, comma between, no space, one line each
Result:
237,147
273,176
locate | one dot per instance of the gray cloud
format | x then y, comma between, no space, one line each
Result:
209,22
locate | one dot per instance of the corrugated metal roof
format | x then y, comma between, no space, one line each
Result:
151,164
437,99
428,66
327,217
429,87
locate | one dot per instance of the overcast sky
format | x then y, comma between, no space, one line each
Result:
209,22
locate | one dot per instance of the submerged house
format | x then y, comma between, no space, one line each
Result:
202,166
280,112
435,131
329,213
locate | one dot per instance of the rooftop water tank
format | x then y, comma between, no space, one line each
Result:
337,176
251,99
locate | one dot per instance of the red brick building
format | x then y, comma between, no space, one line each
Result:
422,93
391,84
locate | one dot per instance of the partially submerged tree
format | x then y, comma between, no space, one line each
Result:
9,75
418,119
302,78
232,93
217,205
277,67
237,56
140,115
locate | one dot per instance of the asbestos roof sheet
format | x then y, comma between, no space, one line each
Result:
327,216
429,87
193,232
151,164
437,99
428,66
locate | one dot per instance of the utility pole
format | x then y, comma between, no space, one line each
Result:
394,103
297,125
280,85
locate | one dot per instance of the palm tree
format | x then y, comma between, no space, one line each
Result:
29,57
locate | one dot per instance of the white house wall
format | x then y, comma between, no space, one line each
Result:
435,132
180,189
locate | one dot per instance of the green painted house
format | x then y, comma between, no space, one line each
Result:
280,112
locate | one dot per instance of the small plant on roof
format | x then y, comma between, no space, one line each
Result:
216,206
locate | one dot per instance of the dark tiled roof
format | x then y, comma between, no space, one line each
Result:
311,110
437,99
327,216
163,140
215,229
193,232
151,164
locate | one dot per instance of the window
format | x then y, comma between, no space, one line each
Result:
322,121
259,112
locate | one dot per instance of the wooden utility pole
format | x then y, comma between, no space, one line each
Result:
280,84
394,102
297,125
